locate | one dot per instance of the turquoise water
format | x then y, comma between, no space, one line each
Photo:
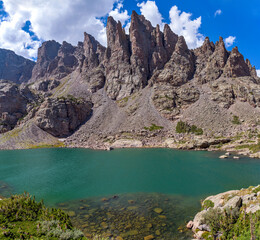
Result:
68,175
65,174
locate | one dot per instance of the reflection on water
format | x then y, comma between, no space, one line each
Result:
133,216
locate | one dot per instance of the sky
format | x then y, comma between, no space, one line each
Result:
24,25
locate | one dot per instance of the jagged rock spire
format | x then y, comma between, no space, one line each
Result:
181,46
236,65
251,69
170,40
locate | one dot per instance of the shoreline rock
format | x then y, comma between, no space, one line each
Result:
244,200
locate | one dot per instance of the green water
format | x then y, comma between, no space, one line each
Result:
165,178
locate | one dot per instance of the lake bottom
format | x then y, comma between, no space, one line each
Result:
134,216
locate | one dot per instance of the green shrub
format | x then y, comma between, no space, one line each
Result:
236,120
21,217
153,128
207,204
233,224
183,127
256,190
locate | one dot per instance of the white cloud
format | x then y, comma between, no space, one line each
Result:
13,37
127,27
58,20
229,41
151,12
120,15
258,72
218,12
182,24
66,20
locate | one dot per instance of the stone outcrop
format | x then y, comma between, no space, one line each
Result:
55,60
13,104
132,59
93,53
180,68
14,68
227,92
215,63
60,117
202,55
236,65
46,54
244,200
120,81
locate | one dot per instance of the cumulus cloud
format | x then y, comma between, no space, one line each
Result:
119,15
13,37
58,20
218,12
229,41
66,20
182,24
258,72
151,12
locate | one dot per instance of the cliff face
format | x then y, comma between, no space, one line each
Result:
142,78
130,61
15,68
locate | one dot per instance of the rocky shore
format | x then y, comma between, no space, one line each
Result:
226,214
245,144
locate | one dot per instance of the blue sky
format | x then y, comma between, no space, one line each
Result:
26,24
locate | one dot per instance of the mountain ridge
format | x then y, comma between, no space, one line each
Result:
100,95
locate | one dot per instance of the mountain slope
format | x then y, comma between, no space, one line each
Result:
139,88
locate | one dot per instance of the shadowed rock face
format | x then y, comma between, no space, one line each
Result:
55,61
15,68
13,104
46,54
180,68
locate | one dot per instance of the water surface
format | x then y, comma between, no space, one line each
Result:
78,175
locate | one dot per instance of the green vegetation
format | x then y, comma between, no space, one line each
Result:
183,127
122,102
254,148
56,145
153,127
207,204
11,134
21,217
232,224
236,120
71,98
256,190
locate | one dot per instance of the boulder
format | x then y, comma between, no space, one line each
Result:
127,143
60,117
198,219
190,224
235,202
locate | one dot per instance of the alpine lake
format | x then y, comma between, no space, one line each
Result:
125,193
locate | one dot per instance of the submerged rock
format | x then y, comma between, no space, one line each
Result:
117,218
158,210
